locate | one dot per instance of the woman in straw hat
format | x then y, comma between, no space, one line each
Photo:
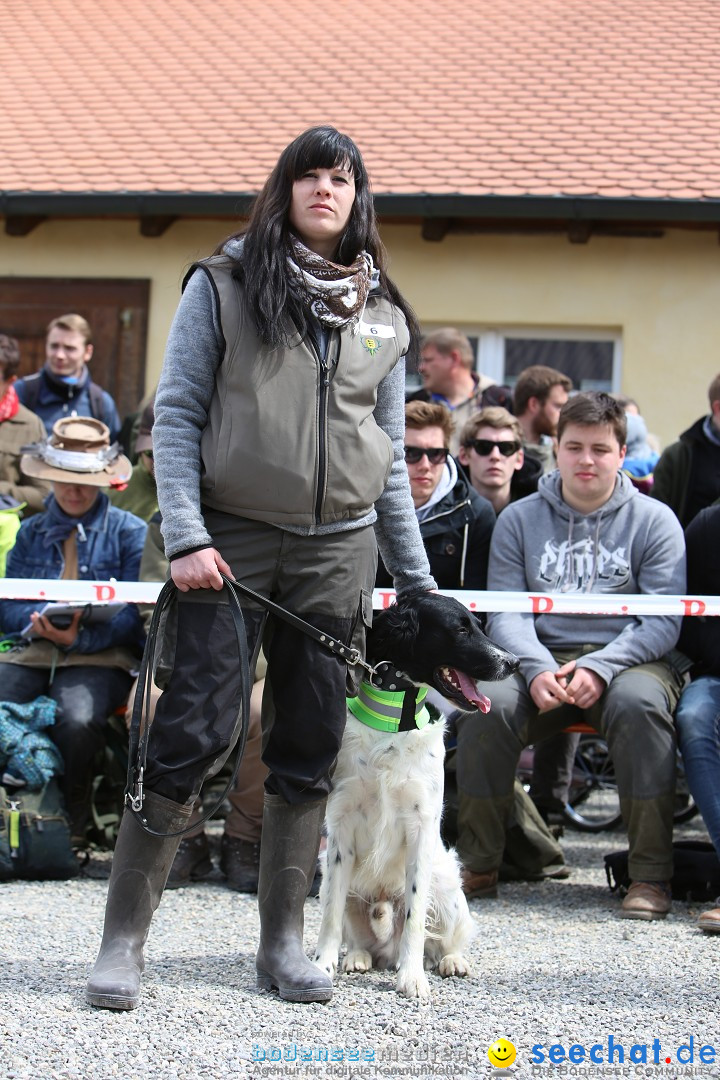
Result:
85,668
278,437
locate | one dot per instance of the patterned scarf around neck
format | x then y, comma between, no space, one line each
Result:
336,294
9,404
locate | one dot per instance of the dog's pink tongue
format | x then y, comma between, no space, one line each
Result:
472,693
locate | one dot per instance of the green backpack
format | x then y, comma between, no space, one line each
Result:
35,835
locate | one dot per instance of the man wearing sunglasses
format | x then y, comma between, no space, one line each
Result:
492,454
455,522
456,525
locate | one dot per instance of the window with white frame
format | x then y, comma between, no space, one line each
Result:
592,359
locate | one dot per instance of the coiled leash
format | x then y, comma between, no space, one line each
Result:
140,726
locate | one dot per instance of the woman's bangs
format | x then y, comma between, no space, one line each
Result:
326,148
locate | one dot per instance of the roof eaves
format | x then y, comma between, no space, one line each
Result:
550,207
421,205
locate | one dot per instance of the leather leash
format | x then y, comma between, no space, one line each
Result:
140,728
140,732
352,656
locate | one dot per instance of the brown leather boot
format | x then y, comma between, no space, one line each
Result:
647,900
477,885
709,921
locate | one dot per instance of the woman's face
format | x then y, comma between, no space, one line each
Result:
75,499
320,208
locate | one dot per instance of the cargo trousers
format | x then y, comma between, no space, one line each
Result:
635,717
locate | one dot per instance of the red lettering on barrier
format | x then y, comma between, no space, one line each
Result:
387,598
104,592
693,607
541,604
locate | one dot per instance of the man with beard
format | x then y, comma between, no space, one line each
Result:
538,397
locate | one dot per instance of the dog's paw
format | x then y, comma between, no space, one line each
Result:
357,960
454,964
326,962
413,984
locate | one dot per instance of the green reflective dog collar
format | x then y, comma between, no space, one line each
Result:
382,709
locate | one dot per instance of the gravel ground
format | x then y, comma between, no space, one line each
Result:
553,963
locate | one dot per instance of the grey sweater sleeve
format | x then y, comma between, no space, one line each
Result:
397,529
194,352
648,637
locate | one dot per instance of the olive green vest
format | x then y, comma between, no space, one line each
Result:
291,438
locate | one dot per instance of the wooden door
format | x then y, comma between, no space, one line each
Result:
117,310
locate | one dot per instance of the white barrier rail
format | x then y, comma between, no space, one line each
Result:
146,592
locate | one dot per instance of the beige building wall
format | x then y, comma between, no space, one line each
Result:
662,296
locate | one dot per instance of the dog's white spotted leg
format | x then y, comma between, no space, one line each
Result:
412,981
456,939
333,894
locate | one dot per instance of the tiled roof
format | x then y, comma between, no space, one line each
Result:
615,98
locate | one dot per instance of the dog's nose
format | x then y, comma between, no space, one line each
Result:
510,663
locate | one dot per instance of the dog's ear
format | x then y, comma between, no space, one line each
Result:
393,628
481,617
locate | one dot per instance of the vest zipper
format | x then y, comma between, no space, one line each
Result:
325,370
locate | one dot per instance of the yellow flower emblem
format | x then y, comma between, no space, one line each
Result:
371,344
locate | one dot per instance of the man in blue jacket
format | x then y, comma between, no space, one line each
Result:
63,387
586,530
84,666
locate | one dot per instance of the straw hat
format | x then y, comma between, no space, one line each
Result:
78,452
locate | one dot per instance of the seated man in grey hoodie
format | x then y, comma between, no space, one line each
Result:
587,530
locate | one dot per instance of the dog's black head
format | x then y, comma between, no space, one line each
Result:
434,640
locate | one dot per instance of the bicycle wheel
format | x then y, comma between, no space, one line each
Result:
593,804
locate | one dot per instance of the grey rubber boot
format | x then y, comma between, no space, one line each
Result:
288,855
140,866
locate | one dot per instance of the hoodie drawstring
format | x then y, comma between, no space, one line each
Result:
463,557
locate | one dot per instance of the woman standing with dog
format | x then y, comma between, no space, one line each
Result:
278,442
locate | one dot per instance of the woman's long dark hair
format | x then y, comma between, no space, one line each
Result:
263,267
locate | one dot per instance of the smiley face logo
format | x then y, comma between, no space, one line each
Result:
502,1053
